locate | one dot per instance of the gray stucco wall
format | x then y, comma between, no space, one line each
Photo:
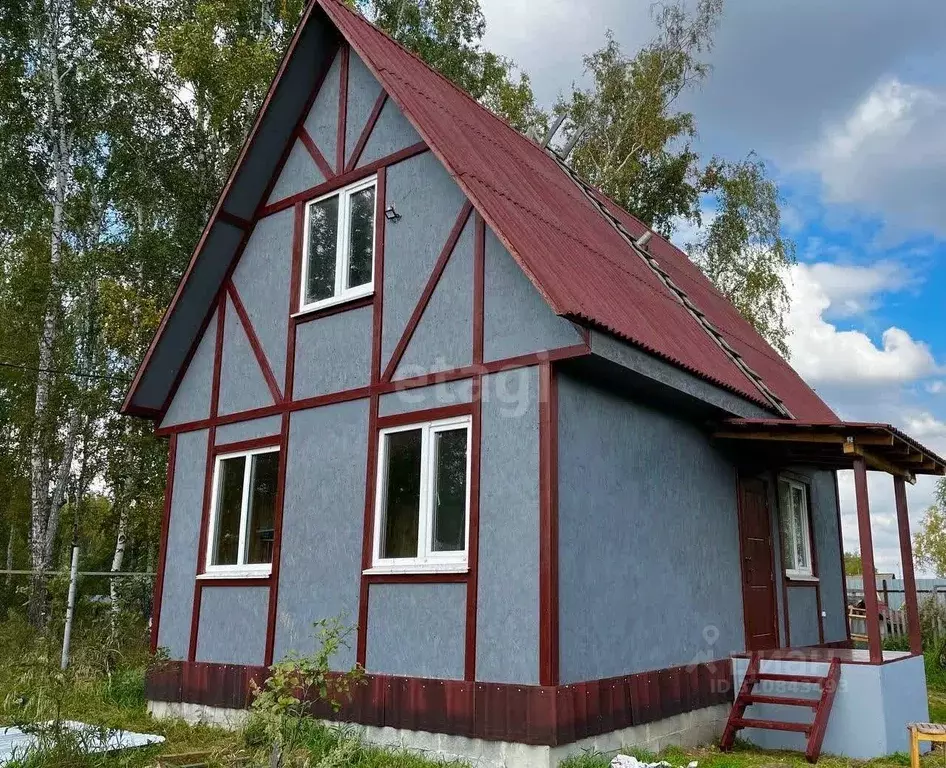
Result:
333,353
507,634
443,338
830,564
262,281
299,173
417,630
391,133
248,430
192,401
184,530
233,625
322,120
242,386
649,568
422,398
516,319
428,201
803,615
363,92
320,570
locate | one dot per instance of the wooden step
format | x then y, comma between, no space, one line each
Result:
814,679
755,698
772,725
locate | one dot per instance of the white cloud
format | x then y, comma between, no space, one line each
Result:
822,353
887,155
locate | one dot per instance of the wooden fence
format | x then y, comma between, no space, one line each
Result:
893,620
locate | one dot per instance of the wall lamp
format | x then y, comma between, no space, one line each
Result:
391,214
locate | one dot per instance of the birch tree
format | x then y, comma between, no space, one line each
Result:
636,143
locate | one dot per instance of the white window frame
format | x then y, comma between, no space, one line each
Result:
342,248
241,568
427,561
798,573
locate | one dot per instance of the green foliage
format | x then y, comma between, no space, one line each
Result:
281,704
448,35
853,565
929,542
637,146
743,251
634,144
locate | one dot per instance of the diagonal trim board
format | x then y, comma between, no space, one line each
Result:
366,131
435,275
255,345
306,138
243,385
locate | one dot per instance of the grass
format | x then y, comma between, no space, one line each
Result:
105,687
742,756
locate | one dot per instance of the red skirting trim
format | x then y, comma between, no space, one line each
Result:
528,714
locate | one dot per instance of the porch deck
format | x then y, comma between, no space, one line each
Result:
824,655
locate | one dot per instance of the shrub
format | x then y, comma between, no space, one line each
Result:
281,705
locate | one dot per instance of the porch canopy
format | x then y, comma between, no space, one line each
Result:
857,446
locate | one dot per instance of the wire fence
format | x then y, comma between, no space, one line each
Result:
77,596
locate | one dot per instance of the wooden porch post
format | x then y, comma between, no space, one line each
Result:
872,609
906,555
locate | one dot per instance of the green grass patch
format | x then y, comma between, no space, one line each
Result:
105,687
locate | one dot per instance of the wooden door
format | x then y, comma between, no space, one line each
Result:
758,572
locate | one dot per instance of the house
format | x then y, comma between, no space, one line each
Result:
419,375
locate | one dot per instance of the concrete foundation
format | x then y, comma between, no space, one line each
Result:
871,709
689,729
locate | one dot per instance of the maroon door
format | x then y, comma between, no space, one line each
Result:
758,573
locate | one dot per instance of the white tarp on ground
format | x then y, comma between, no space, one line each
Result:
15,743
629,761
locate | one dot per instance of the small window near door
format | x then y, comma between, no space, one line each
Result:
423,497
796,538
243,513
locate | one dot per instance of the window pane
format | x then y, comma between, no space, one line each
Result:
402,495
787,539
260,523
449,531
323,247
801,546
229,505
361,237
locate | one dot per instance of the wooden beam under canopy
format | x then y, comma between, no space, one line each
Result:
876,462
781,437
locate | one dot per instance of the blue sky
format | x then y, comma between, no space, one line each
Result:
846,103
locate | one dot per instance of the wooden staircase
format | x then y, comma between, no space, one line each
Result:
814,731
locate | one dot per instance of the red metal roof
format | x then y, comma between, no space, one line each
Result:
575,258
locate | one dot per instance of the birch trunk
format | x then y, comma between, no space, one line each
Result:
117,560
41,501
10,554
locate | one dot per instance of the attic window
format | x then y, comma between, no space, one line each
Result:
338,249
